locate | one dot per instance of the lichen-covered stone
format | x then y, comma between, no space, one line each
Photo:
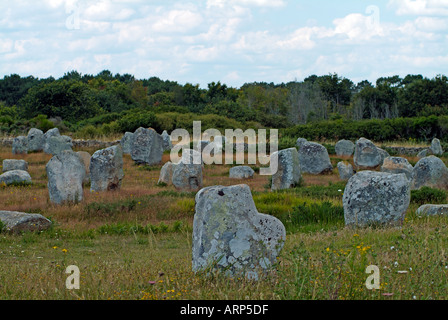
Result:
14,164
397,165
20,145
241,172
345,170
36,140
187,174
314,158
106,169
431,172
436,147
66,173
85,157
16,222
56,144
166,173
230,235
288,173
433,210
376,198
344,148
367,155
147,147
167,144
300,142
15,176
126,142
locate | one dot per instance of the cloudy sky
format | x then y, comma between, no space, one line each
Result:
232,41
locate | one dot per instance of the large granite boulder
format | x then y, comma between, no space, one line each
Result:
345,170
66,173
187,174
433,210
376,198
436,147
166,173
85,157
20,145
126,142
314,159
14,164
15,176
397,165
16,222
431,172
56,144
167,144
36,140
147,147
230,235
344,148
367,155
241,172
288,172
106,169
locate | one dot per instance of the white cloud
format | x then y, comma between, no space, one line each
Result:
255,3
420,7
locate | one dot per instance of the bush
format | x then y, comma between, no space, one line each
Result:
426,195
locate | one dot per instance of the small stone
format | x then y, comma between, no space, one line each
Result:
241,172
14,164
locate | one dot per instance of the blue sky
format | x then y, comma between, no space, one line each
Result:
232,41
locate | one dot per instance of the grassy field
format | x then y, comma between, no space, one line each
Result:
135,243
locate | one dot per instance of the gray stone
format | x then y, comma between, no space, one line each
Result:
436,147
241,172
431,172
424,153
66,173
433,210
20,145
344,148
147,147
314,159
288,172
376,198
15,176
50,133
126,142
106,169
187,174
16,222
383,154
231,236
166,173
85,157
300,142
56,144
36,140
367,155
167,144
345,170
14,164
397,165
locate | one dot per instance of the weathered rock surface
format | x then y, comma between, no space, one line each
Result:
436,147
16,222
433,210
344,148
167,144
35,139
345,170
20,145
289,172
300,141
126,142
376,198
230,235
314,159
431,172
106,169
147,147
397,165
15,176
66,173
14,164
367,155
241,172
85,157
187,174
166,173
56,144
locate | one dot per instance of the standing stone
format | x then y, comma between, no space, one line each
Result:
345,170
433,210
126,142
376,198
288,172
85,157
14,164
436,147
147,147
431,172
424,153
300,142
384,154
56,144
344,148
106,169
66,173
166,173
36,140
367,155
241,172
20,145
15,176
16,222
230,235
50,133
187,174
397,165
167,144
314,158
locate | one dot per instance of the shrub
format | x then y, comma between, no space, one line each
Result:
427,195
